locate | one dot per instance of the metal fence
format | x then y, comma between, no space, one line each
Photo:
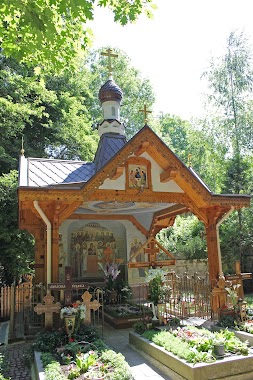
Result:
182,297
18,303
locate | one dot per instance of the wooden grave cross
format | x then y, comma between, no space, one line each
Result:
150,248
67,286
152,251
48,308
90,305
108,257
238,278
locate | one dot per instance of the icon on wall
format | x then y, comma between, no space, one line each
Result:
138,176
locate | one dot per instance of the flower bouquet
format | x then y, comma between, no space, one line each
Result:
73,316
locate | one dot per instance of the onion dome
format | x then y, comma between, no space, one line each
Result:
110,91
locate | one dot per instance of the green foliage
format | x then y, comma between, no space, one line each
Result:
53,371
175,133
51,115
121,370
185,239
155,278
84,357
230,78
4,366
196,345
47,358
227,321
87,333
139,327
16,246
48,341
51,36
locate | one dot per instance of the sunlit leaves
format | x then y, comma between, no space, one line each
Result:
52,33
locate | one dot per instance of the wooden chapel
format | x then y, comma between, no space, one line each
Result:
84,213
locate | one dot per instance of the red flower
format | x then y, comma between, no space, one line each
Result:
71,340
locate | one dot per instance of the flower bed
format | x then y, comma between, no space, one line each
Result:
190,352
84,356
125,315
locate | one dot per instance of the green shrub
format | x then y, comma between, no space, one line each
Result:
86,333
48,341
121,368
53,372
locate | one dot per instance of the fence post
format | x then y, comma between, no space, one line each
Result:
12,311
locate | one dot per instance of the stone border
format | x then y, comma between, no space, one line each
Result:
38,366
121,323
224,369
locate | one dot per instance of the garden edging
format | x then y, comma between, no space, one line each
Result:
39,373
221,369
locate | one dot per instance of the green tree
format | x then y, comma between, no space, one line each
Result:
174,132
230,79
185,239
16,246
51,114
50,33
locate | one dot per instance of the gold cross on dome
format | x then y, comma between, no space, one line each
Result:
189,159
108,53
145,113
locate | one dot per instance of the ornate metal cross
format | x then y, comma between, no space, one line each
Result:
108,53
145,111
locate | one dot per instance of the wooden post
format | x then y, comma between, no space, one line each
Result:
214,260
55,255
12,311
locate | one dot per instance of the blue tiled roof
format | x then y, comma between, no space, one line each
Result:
45,172
109,145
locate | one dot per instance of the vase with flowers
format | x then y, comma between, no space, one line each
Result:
73,316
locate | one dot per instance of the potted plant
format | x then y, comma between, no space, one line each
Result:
218,345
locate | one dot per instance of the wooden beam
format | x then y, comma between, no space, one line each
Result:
64,214
142,148
118,172
168,174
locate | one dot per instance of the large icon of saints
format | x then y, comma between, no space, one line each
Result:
87,249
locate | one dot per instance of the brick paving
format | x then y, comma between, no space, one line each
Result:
16,367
